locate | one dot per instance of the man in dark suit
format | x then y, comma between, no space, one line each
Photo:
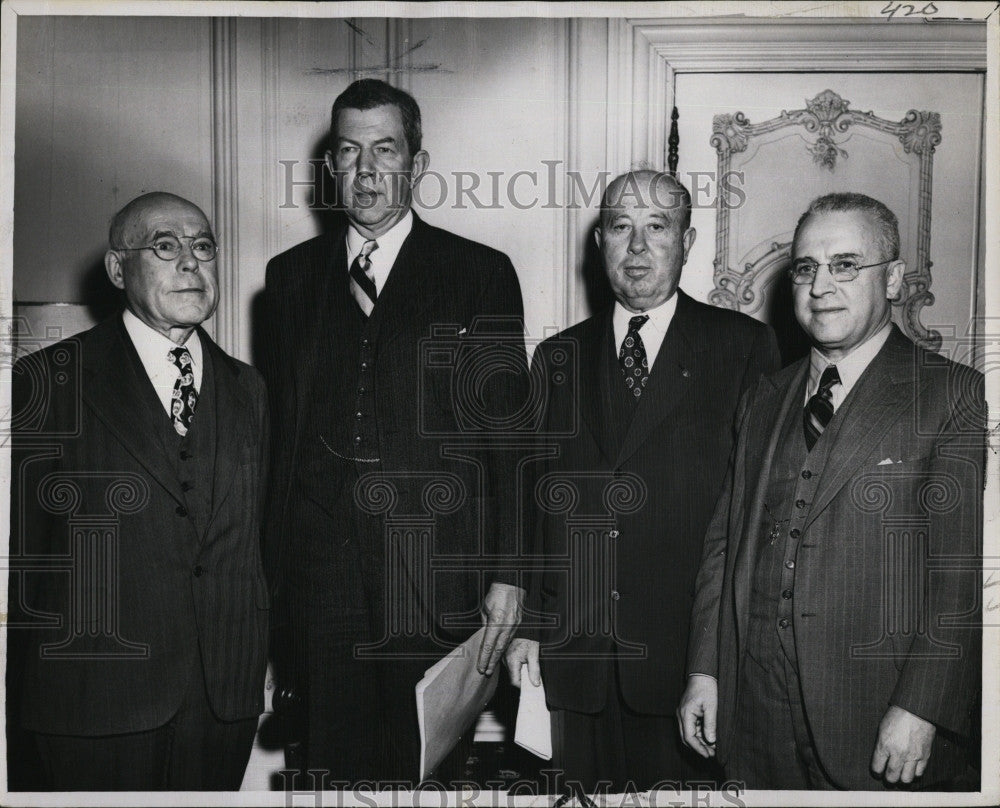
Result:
394,356
629,490
835,639
138,588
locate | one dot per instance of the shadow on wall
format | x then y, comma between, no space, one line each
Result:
100,298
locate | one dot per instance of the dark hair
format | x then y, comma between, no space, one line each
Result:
886,224
680,197
371,93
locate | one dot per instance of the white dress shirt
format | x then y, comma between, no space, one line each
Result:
154,351
849,368
653,330
389,244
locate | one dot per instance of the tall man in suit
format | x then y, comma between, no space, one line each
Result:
136,520
834,640
386,463
629,490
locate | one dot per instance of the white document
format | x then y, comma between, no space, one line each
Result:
533,730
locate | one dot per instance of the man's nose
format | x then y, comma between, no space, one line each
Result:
823,282
637,242
186,261
366,162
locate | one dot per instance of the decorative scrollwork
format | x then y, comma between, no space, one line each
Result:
557,494
829,117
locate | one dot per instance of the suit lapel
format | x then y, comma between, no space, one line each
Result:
882,392
670,380
118,395
232,408
769,410
414,285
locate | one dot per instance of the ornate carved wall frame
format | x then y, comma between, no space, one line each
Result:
825,122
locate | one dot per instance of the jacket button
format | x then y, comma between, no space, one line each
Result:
783,622
794,532
359,415
806,474
357,439
686,373
787,594
198,571
615,594
800,503
613,533
185,454
180,510
186,486
789,565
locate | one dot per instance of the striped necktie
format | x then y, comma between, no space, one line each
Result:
362,279
632,358
819,407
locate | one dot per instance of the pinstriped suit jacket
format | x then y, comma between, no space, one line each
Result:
82,412
885,594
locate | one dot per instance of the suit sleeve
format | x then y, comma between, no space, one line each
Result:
940,679
703,644
501,310
763,356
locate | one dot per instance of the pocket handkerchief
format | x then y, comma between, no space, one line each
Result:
888,462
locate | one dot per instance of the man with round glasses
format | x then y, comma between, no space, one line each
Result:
140,447
832,645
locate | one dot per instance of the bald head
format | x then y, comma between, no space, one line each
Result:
155,244
129,224
651,188
645,237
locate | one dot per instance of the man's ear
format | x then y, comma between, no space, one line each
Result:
597,235
331,166
894,278
421,160
688,241
115,268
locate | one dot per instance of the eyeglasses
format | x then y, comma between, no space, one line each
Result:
169,248
842,270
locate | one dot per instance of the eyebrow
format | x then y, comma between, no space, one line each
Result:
200,234
389,139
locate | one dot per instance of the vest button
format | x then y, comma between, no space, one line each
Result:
800,503
357,439
186,486
180,510
789,565
198,571
364,366
359,415
787,594
783,622
806,474
185,454
365,343
361,391
615,595
794,532
613,533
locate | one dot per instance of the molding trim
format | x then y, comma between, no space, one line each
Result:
644,56
225,183
269,93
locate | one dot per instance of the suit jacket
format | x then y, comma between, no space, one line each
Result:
88,458
446,300
910,448
623,511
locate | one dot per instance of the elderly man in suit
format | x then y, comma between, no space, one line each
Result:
629,490
136,522
834,637
386,462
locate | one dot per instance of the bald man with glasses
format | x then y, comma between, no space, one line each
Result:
139,457
835,639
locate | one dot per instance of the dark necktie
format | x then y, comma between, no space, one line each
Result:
185,397
632,357
362,280
819,407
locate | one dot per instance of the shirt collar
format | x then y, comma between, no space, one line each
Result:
389,243
153,348
659,316
850,367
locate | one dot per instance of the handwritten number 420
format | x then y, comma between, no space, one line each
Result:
891,9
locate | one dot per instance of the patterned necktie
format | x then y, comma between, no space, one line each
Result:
362,280
632,357
819,407
185,397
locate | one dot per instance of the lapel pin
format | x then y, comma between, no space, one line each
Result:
685,373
